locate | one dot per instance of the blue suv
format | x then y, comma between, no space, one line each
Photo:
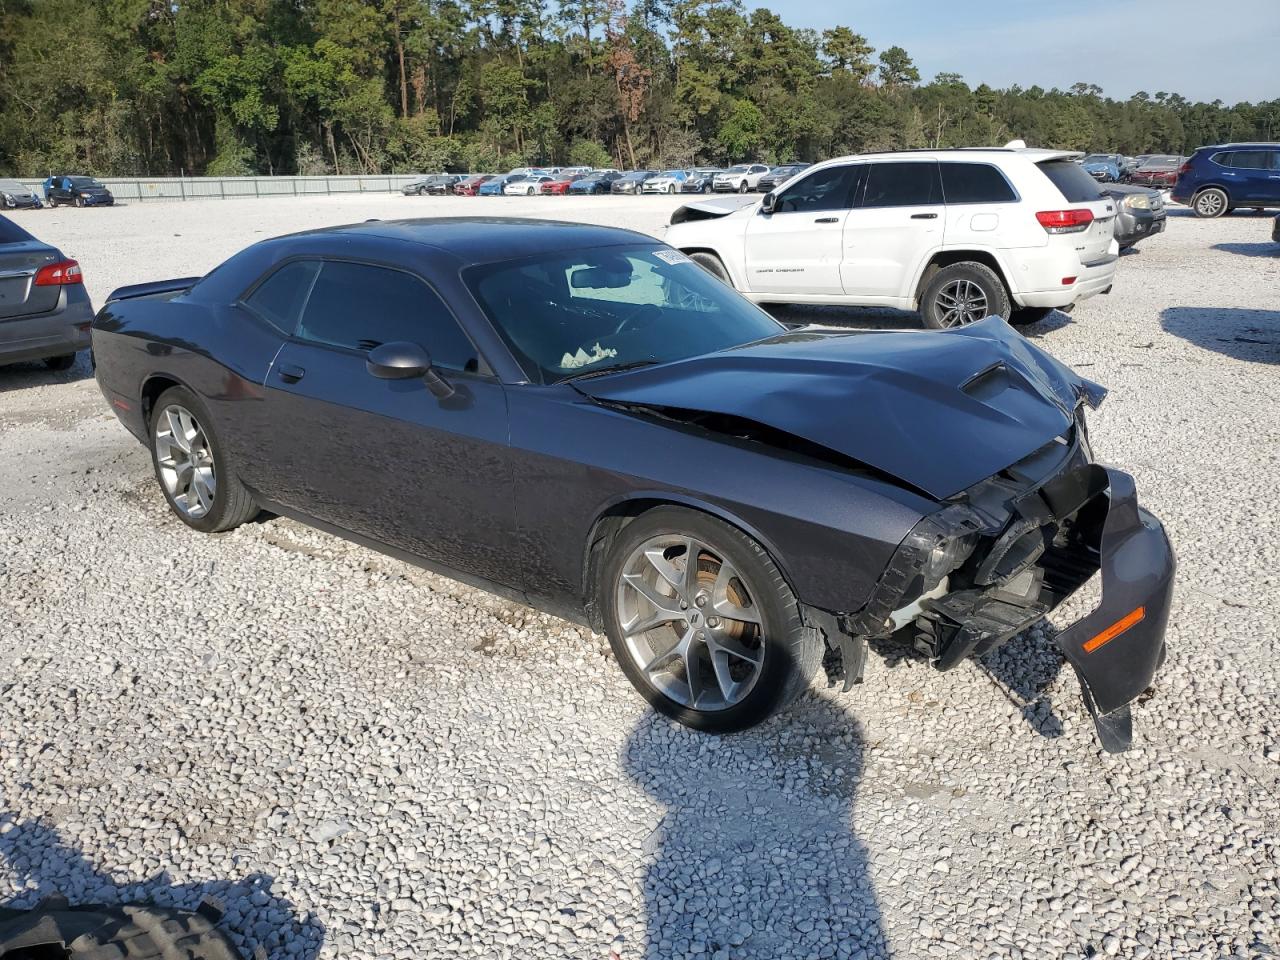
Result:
1216,180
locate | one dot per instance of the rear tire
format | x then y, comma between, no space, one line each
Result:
230,504
713,265
1209,203
744,671
961,294
64,361
1023,316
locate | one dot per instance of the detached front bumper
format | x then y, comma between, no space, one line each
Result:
1117,649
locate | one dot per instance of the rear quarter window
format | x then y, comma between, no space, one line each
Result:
1075,185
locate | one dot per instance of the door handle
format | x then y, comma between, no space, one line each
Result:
827,220
924,216
290,373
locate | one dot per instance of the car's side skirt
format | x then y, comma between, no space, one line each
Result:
559,608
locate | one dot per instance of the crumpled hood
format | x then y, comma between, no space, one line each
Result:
938,410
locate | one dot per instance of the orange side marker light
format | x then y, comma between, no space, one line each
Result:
1117,628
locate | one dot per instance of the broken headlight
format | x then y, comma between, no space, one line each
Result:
946,555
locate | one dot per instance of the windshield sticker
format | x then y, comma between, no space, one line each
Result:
671,256
571,361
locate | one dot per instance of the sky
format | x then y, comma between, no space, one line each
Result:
1121,45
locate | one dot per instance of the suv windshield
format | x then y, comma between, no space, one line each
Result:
737,168
586,311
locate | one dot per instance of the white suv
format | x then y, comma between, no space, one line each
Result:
741,177
956,234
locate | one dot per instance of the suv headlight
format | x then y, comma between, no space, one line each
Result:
1138,201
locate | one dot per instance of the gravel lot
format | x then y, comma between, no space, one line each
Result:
367,761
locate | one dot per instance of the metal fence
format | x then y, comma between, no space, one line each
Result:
225,188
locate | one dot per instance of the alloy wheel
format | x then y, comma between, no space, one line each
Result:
961,302
689,622
185,460
1209,203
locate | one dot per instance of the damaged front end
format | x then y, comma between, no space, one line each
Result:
1004,553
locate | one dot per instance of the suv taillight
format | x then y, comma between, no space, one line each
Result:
1065,221
59,274
1185,168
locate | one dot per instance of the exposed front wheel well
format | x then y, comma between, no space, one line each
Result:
947,258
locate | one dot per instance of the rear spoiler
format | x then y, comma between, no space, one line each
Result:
153,289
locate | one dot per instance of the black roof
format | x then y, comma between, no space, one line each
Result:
486,239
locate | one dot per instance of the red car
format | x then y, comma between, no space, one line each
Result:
1158,172
472,184
561,184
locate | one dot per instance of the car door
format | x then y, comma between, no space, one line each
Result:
1250,172
388,459
979,202
798,248
895,224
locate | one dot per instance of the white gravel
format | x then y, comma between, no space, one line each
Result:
367,761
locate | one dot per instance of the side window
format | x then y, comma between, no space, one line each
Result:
903,184
974,183
1275,159
358,306
1250,159
279,298
829,189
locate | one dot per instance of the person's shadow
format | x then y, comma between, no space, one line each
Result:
755,854
36,863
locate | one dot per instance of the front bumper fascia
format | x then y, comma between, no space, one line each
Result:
1117,649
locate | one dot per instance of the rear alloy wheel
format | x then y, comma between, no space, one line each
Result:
961,294
63,361
1210,203
702,622
194,471
671,188
713,265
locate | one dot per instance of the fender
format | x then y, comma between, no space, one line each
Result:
913,290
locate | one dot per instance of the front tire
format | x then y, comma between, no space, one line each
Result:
703,623
713,265
79,201
195,472
1210,203
742,187
961,294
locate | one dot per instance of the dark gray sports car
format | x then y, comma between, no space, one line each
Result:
582,419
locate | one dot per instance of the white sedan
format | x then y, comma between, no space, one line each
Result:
527,186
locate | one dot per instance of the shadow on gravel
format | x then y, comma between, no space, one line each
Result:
1022,669
755,856
1240,333
35,860
1269,249
21,376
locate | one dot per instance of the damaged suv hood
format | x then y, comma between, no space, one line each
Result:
940,411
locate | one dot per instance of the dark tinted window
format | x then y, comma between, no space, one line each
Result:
1072,180
974,183
359,306
902,184
1250,159
828,189
279,298
10,232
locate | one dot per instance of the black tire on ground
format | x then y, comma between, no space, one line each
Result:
1026,315
742,187
1210,202
232,504
529,192
713,265
991,286
64,361
792,652
79,201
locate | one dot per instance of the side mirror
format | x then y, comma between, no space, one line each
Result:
402,360
768,203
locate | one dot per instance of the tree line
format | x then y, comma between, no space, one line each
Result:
233,87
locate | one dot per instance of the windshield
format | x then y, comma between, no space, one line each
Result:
585,311
85,182
738,168
673,173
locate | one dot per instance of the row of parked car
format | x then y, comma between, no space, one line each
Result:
533,181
